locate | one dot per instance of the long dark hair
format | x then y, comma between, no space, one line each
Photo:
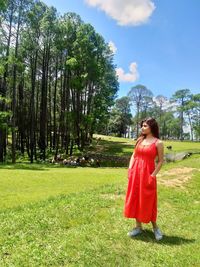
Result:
152,123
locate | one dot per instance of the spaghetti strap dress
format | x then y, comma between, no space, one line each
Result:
141,194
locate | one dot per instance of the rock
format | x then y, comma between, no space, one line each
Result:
169,147
177,156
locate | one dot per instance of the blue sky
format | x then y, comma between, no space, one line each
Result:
161,38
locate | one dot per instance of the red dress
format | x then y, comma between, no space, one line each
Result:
141,195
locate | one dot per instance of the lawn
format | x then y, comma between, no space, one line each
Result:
125,146
53,216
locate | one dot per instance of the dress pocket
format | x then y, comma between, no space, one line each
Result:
151,183
129,173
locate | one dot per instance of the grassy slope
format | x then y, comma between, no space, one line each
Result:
124,146
74,217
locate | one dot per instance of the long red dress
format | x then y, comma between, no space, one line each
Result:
141,195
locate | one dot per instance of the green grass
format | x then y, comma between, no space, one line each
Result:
54,216
29,183
125,146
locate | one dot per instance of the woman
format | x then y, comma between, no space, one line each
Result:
141,195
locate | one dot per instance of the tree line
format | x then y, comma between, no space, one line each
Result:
57,81
181,110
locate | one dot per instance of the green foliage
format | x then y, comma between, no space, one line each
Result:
120,117
59,72
5,116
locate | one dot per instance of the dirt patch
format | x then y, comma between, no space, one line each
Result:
181,176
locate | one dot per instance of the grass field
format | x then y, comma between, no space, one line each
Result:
124,146
53,216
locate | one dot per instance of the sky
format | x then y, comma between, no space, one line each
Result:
155,43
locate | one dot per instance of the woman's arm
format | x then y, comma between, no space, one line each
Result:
160,148
132,156
131,160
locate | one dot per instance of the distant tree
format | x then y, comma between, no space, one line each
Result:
181,97
140,96
189,109
120,117
196,115
161,102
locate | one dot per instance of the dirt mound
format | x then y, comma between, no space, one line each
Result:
175,177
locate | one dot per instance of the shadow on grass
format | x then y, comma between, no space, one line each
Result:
148,236
31,167
112,147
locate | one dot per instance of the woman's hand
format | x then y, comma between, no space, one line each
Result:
160,148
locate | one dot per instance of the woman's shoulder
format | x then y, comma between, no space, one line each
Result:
138,140
159,142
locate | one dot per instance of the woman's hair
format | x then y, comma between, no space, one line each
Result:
152,123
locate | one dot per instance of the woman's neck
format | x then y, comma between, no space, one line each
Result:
149,136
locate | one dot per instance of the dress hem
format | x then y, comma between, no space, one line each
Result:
139,219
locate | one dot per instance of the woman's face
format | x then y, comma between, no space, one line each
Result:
145,128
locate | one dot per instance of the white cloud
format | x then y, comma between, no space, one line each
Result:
132,76
125,12
113,47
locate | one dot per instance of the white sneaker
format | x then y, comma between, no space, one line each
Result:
158,234
135,231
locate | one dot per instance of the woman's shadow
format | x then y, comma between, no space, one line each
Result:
148,236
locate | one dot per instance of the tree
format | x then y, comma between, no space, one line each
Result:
120,117
139,96
196,115
180,97
60,77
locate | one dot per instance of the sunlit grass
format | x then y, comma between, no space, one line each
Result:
59,216
21,186
125,146
85,226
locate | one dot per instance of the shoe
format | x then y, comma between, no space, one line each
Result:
135,231
158,234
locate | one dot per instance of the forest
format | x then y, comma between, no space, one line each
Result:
57,81
178,116
58,86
